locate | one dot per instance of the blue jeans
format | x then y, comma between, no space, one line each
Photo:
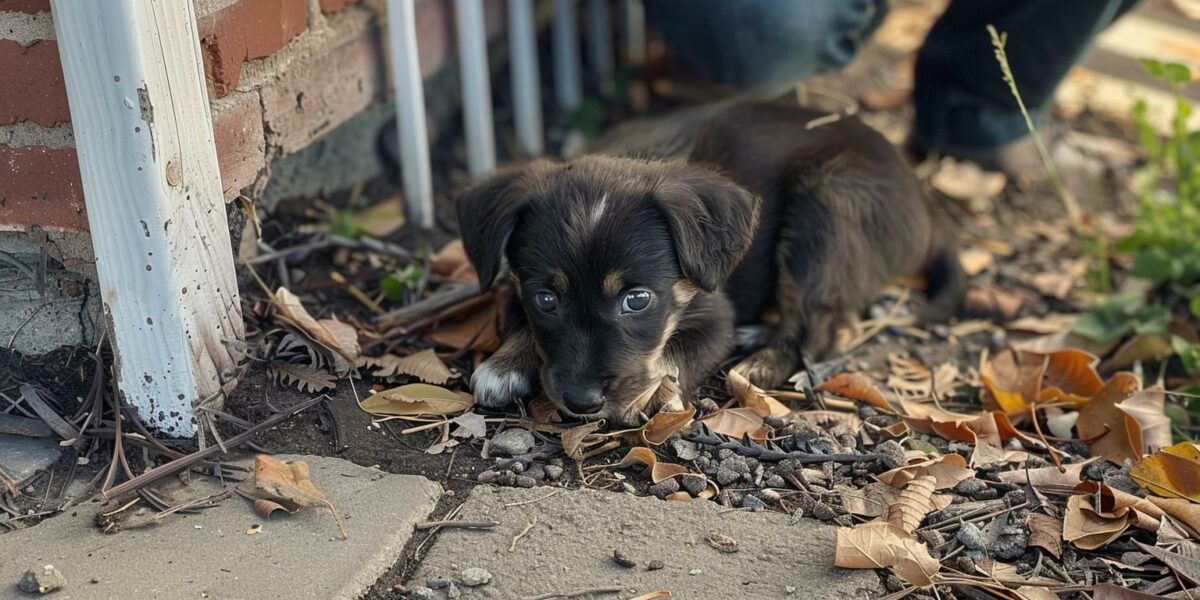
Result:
962,105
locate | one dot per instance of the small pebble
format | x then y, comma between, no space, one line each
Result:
517,467
437,583
620,558
452,591
724,453
774,422
823,511
536,471
685,450
42,580
970,536
694,484
708,405
475,576
665,487
553,472
893,454
726,475
525,481
721,542
655,565
775,481
512,442
421,592
770,495
753,502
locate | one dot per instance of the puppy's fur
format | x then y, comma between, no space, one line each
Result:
763,213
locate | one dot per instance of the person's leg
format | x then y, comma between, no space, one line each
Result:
765,45
963,106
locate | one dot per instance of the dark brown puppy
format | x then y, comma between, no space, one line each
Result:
619,264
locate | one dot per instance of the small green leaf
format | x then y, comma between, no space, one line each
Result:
396,286
1157,265
1176,74
1152,319
343,225
1195,305
1189,354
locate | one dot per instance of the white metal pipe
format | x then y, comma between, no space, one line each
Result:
410,113
568,84
600,45
476,87
633,27
526,83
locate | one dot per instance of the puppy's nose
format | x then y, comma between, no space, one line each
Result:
583,400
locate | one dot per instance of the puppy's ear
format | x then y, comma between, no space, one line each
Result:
487,214
712,221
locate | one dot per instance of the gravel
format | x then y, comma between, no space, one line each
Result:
42,580
665,487
512,442
553,472
421,593
475,576
893,454
970,536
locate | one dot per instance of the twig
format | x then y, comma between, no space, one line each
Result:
458,524
1068,200
512,547
612,589
538,499
358,294
1049,449
180,464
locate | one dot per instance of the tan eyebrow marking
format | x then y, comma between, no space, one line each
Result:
559,280
613,282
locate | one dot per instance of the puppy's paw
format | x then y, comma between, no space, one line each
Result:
498,383
767,368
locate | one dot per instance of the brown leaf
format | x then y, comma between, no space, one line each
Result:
542,410
573,439
424,365
1052,284
1046,532
265,508
832,422
382,218
1139,348
1113,434
966,182
873,500
1147,408
289,485
1173,471
879,545
914,503
975,260
1110,502
1108,591
980,430
1051,323
289,310
1012,379
1186,511
1071,376
856,386
477,331
417,399
1185,561
750,396
1086,528
451,262
661,427
305,378
345,335
989,301
680,496
946,470
1048,477
737,422
658,469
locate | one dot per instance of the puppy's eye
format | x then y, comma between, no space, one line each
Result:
545,301
636,301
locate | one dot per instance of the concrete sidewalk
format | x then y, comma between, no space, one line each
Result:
571,544
211,555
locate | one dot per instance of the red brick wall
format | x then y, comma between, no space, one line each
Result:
279,76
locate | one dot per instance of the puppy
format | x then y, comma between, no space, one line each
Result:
631,273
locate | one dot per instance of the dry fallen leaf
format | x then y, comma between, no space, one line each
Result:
1053,284
1112,433
477,331
573,439
873,500
856,386
1110,502
660,427
1140,348
451,262
975,260
288,486
966,182
1088,530
542,410
914,503
289,310
1110,591
1147,407
1185,511
1046,532
835,423
737,422
1070,376
990,301
1013,380
750,396
417,399
879,545
1172,472
304,377
659,470
424,365
1048,477
946,470
1184,561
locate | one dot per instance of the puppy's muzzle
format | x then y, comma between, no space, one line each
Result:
578,396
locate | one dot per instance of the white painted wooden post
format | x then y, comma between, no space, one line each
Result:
476,87
526,81
410,112
633,29
568,84
600,45
144,135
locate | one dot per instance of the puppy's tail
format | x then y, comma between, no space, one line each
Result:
946,285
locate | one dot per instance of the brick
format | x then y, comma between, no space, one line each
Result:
244,31
331,6
313,97
241,147
33,87
32,7
41,186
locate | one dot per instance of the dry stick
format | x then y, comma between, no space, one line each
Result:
512,547
1038,428
612,589
1068,200
182,463
538,499
458,524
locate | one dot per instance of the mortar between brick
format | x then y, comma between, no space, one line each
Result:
24,28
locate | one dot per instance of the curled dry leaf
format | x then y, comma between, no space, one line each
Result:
304,377
1112,433
1185,511
1053,284
913,505
424,365
417,399
1173,472
753,397
1140,348
660,427
981,430
1012,380
946,470
880,545
1085,528
680,496
1109,502
975,260
573,439
1048,477
451,262
990,301
1046,532
873,500
738,422
477,331
658,469
543,410
1070,376
289,310
856,386
288,485
1184,561
1110,591
1148,408
265,508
